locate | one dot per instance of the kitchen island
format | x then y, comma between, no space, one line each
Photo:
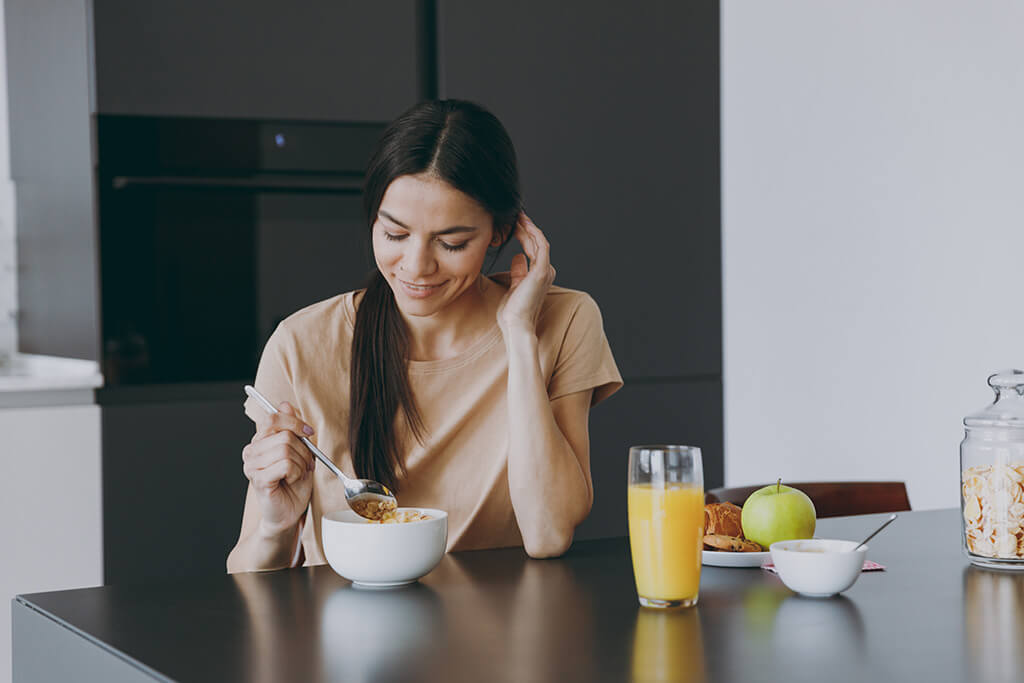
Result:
499,616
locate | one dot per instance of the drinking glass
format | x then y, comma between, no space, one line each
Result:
665,500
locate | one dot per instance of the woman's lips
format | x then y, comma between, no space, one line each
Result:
415,291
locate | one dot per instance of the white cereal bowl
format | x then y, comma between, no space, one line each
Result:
816,567
383,555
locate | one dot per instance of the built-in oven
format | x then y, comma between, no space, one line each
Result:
212,231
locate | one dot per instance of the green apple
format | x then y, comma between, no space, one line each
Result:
777,513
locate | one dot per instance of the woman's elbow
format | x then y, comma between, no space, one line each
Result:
552,543
553,537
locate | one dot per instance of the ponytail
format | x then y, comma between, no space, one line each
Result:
379,386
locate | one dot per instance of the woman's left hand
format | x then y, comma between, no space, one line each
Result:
530,280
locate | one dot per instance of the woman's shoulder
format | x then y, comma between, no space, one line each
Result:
565,295
335,313
565,303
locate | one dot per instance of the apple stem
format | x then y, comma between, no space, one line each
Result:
778,486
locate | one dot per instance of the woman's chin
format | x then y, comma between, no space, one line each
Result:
417,309
420,306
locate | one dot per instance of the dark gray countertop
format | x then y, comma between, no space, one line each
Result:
499,616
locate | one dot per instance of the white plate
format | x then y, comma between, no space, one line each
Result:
717,558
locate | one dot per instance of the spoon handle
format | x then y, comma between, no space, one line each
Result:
269,407
889,521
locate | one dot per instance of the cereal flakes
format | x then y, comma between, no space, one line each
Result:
993,508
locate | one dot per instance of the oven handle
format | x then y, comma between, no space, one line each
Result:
265,183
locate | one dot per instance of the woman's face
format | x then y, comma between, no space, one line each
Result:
429,241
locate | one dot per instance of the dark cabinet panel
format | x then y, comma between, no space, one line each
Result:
614,111
173,488
328,60
688,413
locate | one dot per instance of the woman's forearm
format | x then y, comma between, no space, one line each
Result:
261,551
550,491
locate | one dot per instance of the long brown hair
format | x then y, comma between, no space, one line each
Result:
466,146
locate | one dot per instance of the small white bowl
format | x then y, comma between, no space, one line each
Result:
817,567
382,555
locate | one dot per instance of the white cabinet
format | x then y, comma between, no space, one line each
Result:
50,506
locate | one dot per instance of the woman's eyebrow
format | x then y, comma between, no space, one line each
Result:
447,231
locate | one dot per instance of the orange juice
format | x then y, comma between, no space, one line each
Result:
666,529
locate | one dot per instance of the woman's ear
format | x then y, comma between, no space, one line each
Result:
502,235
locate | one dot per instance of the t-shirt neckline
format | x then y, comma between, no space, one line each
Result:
478,348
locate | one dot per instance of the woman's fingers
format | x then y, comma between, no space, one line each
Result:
253,467
268,463
271,477
518,270
264,453
286,443
535,244
285,420
527,239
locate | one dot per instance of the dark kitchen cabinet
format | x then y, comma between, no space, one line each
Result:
613,108
173,487
614,111
336,60
686,412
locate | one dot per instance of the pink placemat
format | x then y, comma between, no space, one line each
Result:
869,566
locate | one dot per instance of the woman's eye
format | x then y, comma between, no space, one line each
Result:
454,247
394,237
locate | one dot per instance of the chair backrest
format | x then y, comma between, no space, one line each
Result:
833,498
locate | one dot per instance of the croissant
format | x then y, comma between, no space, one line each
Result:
723,519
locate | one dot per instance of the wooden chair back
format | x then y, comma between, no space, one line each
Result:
832,498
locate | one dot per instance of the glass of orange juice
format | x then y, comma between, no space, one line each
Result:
666,523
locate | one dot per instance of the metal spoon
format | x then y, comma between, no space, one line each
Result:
367,498
889,521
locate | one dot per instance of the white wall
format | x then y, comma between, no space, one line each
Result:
873,230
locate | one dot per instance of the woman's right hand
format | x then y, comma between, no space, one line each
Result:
280,469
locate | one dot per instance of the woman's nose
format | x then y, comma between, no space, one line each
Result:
417,261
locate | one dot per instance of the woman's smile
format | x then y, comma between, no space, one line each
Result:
420,291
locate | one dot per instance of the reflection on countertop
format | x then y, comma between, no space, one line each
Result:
371,634
668,647
994,614
515,621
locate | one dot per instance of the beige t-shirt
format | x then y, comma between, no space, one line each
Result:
462,465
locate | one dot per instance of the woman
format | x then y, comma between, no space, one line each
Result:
458,391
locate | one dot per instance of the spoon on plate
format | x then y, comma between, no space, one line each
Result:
892,518
367,498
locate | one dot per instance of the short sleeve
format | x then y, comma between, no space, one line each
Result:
274,376
585,359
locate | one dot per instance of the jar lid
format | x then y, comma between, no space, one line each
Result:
1008,408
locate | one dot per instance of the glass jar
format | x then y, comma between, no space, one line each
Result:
992,477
